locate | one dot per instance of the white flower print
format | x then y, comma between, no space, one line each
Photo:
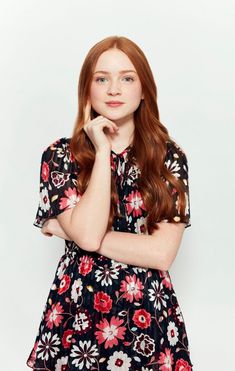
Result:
157,295
76,290
116,264
187,203
47,346
133,173
106,275
179,314
60,363
173,166
141,225
172,333
119,361
81,321
84,354
144,345
63,265
44,202
139,269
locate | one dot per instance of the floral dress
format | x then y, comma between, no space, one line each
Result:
102,314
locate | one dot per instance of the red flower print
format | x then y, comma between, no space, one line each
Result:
135,204
142,318
166,281
110,332
71,199
102,302
53,316
71,156
86,265
166,360
45,171
32,356
67,338
182,365
64,284
132,288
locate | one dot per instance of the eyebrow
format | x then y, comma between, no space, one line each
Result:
107,73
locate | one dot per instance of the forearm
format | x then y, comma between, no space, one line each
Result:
90,215
135,249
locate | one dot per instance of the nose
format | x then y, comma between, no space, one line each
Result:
114,88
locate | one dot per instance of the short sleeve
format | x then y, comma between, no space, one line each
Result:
58,181
176,161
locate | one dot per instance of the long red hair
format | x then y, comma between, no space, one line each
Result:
150,138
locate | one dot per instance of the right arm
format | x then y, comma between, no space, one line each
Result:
86,223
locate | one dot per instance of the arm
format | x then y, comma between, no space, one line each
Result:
155,251
86,223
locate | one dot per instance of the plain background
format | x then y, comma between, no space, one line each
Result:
190,48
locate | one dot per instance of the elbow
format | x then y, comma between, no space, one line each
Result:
87,244
166,263
91,246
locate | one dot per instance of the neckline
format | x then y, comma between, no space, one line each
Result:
123,151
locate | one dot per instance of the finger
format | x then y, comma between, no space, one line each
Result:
87,111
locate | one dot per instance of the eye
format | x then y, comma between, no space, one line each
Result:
99,78
129,77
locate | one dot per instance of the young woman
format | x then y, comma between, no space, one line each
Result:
117,192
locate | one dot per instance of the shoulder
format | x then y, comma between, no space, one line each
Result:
58,154
176,159
175,151
59,144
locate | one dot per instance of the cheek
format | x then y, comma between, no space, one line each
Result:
95,92
134,92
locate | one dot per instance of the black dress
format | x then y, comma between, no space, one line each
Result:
102,314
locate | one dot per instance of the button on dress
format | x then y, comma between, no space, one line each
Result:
102,314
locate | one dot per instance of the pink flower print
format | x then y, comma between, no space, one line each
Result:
70,200
110,332
135,203
132,288
53,316
166,360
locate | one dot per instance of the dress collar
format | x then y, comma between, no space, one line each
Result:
121,154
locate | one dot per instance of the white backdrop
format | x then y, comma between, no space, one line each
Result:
190,47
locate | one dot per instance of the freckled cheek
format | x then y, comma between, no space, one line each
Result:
133,97
96,93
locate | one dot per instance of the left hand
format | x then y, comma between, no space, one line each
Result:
52,227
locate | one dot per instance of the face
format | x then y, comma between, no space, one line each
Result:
112,84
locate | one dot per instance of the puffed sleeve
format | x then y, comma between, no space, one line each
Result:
176,162
58,181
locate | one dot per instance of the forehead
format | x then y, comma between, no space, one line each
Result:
114,61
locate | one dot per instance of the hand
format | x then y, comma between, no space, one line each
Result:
95,129
52,227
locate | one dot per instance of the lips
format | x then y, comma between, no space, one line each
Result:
114,103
